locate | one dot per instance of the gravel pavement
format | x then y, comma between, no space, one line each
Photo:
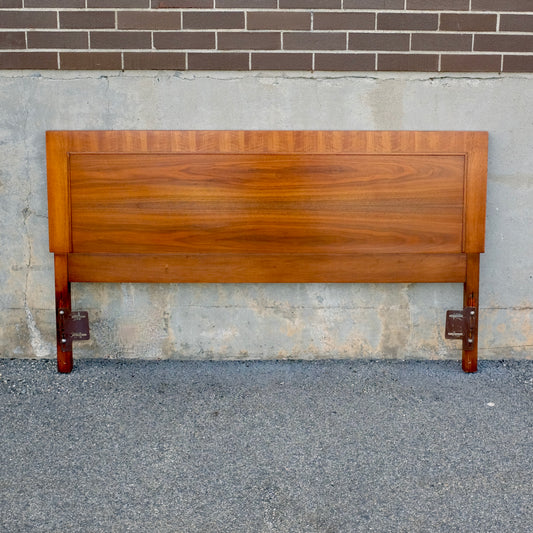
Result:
328,447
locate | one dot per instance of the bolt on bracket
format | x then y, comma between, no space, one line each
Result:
72,326
462,325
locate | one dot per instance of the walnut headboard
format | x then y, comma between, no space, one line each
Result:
267,206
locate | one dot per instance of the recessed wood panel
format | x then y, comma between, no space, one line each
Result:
266,203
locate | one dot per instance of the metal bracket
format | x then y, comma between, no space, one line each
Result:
72,326
462,325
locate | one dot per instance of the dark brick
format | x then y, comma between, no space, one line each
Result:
518,63
28,60
120,39
28,19
279,20
58,39
502,5
467,22
154,61
218,61
344,21
439,5
516,23
373,4
90,60
345,62
118,3
12,40
282,61
408,62
470,63
166,4
86,19
310,4
184,40
503,43
314,41
254,4
146,20
408,21
378,41
197,20
10,3
249,40
54,3
439,41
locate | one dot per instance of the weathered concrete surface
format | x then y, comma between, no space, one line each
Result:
264,321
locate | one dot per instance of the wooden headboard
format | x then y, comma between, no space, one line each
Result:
267,206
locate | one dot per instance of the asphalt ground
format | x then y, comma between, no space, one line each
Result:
330,446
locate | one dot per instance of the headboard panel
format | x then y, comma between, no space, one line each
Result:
266,206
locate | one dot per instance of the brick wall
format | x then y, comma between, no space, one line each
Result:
327,35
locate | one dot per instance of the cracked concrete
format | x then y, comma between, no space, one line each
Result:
265,321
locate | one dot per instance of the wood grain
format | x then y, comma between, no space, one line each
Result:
268,268
59,223
197,203
267,206
63,301
471,299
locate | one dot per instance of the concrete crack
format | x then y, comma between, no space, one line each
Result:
38,345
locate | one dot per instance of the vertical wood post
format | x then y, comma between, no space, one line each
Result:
471,299
62,285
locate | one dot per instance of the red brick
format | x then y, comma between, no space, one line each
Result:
12,40
197,20
281,61
10,3
503,43
28,19
516,23
502,5
120,39
408,62
249,40
345,62
378,41
58,39
467,22
154,61
218,61
86,19
28,60
278,20
147,20
408,21
470,63
439,41
518,63
344,21
184,40
438,5
90,60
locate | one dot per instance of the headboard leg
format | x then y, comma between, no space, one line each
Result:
62,286
471,299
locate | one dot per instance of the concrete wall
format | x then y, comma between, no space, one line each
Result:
264,321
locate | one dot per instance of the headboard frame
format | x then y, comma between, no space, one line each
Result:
266,206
